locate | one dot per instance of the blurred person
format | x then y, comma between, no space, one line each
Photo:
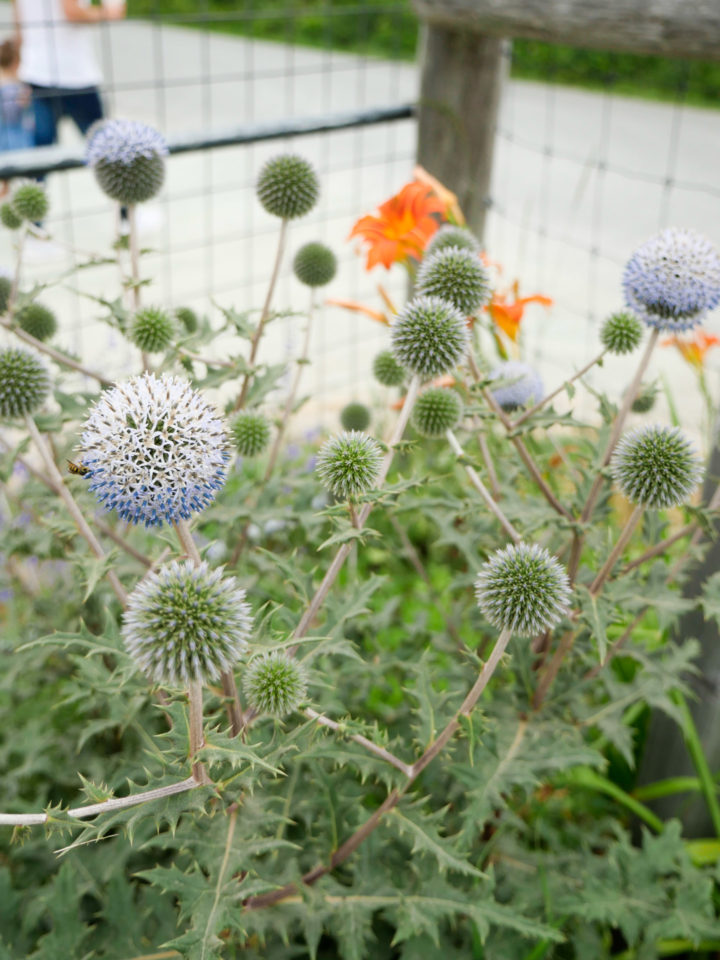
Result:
16,116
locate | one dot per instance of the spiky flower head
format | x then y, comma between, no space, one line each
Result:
450,235
37,320
673,279
152,329
522,588
251,433
645,399
188,318
128,159
349,464
30,202
315,265
387,370
185,623
436,410
9,217
454,275
355,416
429,337
288,186
24,382
656,466
157,450
521,384
274,684
5,289
621,332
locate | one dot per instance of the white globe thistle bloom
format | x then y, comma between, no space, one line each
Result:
157,451
185,623
518,385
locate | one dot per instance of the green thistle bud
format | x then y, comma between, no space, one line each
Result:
288,187
131,183
251,433
315,265
5,290
152,329
452,236
436,411
24,383
30,202
37,320
9,218
429,337
522,588
456,276
656,466
186,623
355,416
349,464
188,318
645,400
128,159
621,333
274,684
387,370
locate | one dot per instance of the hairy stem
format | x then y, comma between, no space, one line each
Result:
551,396
381,752
197,738
606,569
15,285
56,355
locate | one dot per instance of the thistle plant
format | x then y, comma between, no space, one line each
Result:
187,318
152,329
429,337
30,202
519,385
250,433
288,187
656,466
315,265
128,160
436,411
9,217
387,371
449,236
37,320
349,464
274,684
455,275
24,383
5,290
621,333
355,416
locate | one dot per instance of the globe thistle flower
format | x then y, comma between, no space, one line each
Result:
188,318
128,159
288,187
152,330
9,217
387,370
522,588
186,623
274,684
436,411
673,279
5,290
456,276
37,320
429,337
656,466
451,236
24,383
355,416
315,265
645,400
157,450
349,464
30,202
251,433
621,333
521,385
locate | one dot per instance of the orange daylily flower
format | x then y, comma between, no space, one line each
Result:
694,349
403,226
452,207
507,313
357,307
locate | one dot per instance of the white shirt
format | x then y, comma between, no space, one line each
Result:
56,52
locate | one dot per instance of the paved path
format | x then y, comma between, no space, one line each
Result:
562,223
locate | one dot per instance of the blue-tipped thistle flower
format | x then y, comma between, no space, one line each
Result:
436,411
315,265
621,333
128,159
429,337
673,279
186,623
251,433
450,235
152,329
387,370
37,320
521,384
157,451
30,202
656,466
355,416
349,464
24,383
274,684
523,588
288,186
454,275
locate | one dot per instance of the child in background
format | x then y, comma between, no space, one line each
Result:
16,115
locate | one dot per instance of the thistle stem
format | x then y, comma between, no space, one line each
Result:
551,396
15,285
606,569
56,355
381,752
197,738
482,489
134,245
263,316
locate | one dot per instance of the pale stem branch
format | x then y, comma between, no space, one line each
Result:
263,316
381,752
122,543
134,245
182,528
225,364
56,355
606,569
482,489
547,677
551,396
197,738
487,460
93,809
659,548
15,285
72,507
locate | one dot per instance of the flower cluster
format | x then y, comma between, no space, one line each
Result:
128,159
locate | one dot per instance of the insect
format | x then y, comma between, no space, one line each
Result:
78,469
